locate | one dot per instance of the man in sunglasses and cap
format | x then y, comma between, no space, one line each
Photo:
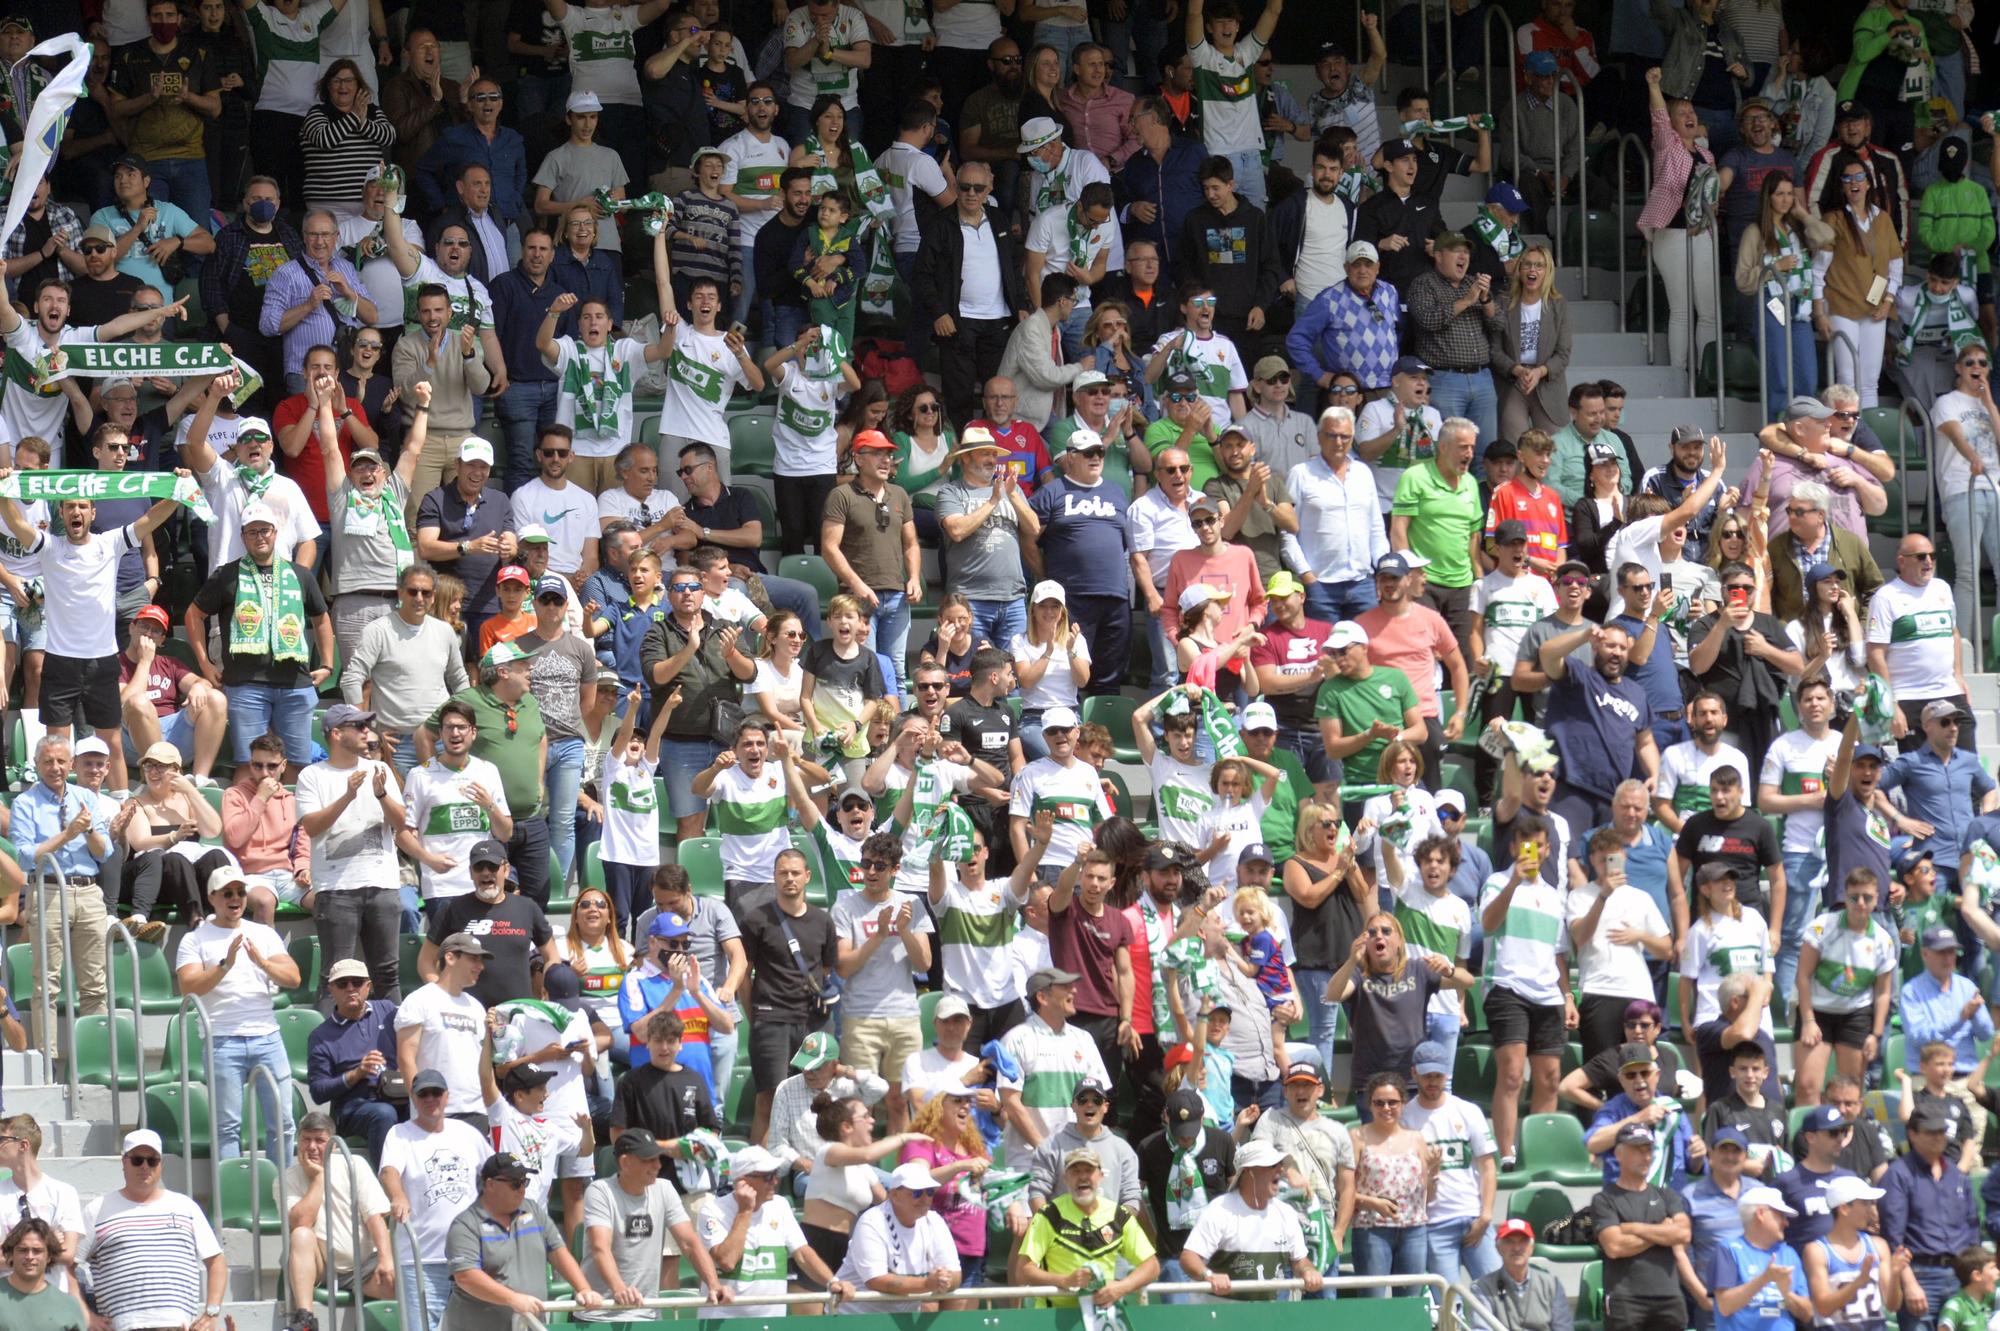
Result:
137,1279
1082,1237
902,1247
500,1250
1238,1234
440,1156
350,1053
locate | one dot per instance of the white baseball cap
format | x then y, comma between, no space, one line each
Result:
1049,590
1059,718
1849,1188
1771,1197
475,449
914,1176
1258,716
258,511
1259,1154
143,1137
89,745
584,102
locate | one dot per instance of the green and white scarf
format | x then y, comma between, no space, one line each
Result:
1959,325
384,508
657,207
96,486
1356,183
878,284
1220,727
1320,1250
1791,289
1082,252
1505,240
875,197
827,357
1704,188
270,615
1662,1168
255,483
1875,710
1451,125
1187,1196
1053,186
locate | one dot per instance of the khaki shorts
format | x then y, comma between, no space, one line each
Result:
880,1044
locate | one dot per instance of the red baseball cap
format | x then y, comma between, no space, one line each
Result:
871,439
513,573
1515,1228
153,614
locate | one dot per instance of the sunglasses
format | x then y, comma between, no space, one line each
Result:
349,983
874,866
1572,581
555,452
485,96
1090,1102
1203,522
1183,397
1847,415
97,248
763,101
232,894
418,593
927,408
1923,556
1174,471
1203,302
1640,587
143,1161
932,684
1975,364
1281,377
1380,932
1345,390
974,189
683,586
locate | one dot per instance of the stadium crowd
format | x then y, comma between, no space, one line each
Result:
1489,765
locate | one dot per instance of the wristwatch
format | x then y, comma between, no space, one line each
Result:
704,533
213,1310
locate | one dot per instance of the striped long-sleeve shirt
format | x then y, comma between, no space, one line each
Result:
719,227
148,1260
340,150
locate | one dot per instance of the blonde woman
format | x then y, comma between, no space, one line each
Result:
1774,261
1330,900
780,679
1391,993
949,1145
1051,662
1678,220
1530,344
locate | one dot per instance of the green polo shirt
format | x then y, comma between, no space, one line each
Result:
1442,520
517,755
1380,695
1280,823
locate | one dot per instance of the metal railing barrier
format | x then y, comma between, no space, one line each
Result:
45,998
253,1152
1626,141
192,1004
354,1220
1497,15
115,937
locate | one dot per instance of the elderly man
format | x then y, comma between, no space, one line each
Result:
1320,1154
1081,1239
1811,539
151,1257
1244,1232
1161,528
1350,327
1525,1296
1914,642
1943,788
629,1218
463,528
438,1155
1158,188
309,299
1550,157
901,1247
986,520
348,1054
484,141
1941,1006
1755,1277
1641,1103
1452,310
494,1274
1438,514
1340,536
1802,447
69,827
322,1235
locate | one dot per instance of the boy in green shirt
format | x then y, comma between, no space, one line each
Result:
1972,1306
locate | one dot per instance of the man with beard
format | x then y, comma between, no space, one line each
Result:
565,511
454,801
510,926
1685,767
45,245
777,252
38,406
1238,1234
748,798
1600,721
1083,1236
1746,658
755,160
111,449
968,272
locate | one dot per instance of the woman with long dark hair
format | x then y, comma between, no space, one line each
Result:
924,442
1774,263
1865,251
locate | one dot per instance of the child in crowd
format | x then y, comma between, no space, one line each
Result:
1230,826
829,276
841,675
1263,957
631,811
1946,1096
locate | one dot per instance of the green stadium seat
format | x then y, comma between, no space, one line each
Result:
381,1315
1590,1295
303,949
765,514
1543,1205
170,1054
240,1180
592,873
1472,1072
178,1120
751,451
1114,711
702,858
296,1025
813,571
411,948
927,1015
95,1036
157,993
1552,1151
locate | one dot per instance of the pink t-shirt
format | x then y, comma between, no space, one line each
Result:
962,1211
1414,643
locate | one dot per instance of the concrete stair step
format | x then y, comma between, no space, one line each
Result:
1594,316
1617,353
49,1103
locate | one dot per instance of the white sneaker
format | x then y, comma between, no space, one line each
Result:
205,783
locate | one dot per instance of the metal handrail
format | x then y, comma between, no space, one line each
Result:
191,1003
1446,1294
354,1219
254,1152
1477,1306
44,996
1646,174
1833,365
416,1273
1498,15
1714,234
1582,184
117,934
1927,433
1451,66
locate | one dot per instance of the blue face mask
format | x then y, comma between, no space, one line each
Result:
262,211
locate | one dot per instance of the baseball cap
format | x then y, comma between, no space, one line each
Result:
363,455
1635,1134
1049,975
1601,452
505,1166
430,1079
1269,366
1346,634
153,614
1082,440
1429,1059
1091,1086
512,573
1635,1055
1540,63
1807,408
1200,593
552,585
951,1005
1332,51
1082,1155
1282,583
667,924
1392,565
1303,1072
1395,148
475,449
1089,379
98,232
1058,718
88,745
872,440
816,1051
502,653
21,21
639,1143
1039,132
1907,859
1511,532
1850,1188
1943,709
1825,1118
464,944
583,103
226,876
1940,939
134,161
1514,1228
347,968
1730,1136
1502,448
1503,194
1259,1153
913,1176
487,851
345,714
1048,589
143,1137
748,1160
1255,853
1410,365
1771,1197
1359,250
525,1077
162,753
257,512
855,793
700,153
533,534
1257,716
1179,381
1451,799
1819,573
1850,110
1184,1112
1167,855
1870,751
1928,1119
562,986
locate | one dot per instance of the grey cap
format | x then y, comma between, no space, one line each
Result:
430,1079
464,943
1050,975
1808,409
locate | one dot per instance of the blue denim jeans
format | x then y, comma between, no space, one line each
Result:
1335,601
1166,655
784,324
1144,28
1938,1284
257,708
1383,1251
436,1290
523,408
1445,1240
1972,525
1440,1029
1322,1018
565,778
889,632
1065,38
1469,395
1801,904
184,181
680,761
1249,175
235,1055
1793,346
997,622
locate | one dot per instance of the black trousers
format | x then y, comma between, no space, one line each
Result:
528,858
156,881
364,923
1103,1031
1602,1023
1106,624
990,1023
800,501
967,359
